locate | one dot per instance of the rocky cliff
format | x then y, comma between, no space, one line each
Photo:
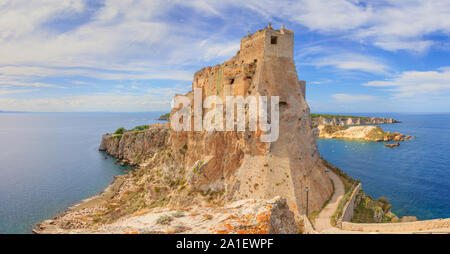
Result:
367,133
133,147
238,163
350,120
177,169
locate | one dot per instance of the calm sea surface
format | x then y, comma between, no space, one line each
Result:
50,161
415,176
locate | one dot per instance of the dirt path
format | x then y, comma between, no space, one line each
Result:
323,221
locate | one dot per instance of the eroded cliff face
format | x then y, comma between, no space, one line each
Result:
349,121
133,147
182,169
238,163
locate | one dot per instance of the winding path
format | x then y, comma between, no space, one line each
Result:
322,223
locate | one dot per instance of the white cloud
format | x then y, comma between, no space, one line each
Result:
351,62
351,98
117,102
417,83
5,91
140,40
391,25
320,82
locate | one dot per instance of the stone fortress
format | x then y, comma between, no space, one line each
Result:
237,162
219,181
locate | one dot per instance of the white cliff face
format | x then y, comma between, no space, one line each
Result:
348,121
353,132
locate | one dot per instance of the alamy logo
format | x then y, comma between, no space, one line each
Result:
235,114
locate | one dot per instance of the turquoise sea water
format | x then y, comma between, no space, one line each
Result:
51,161
415,176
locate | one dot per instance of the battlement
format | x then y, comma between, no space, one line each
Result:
267,42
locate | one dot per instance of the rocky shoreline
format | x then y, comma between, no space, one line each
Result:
337,120
163,200
366,133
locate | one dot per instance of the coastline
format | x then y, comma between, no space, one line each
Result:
48,226
112,190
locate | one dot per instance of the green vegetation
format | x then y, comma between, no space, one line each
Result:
164,220
178,214
121,130
117,136
348,181
165,117
376,134
335,116
330,129
141,128
312,216
349,185
370,211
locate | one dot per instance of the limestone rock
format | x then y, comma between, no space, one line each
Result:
392,145
239,163
408,219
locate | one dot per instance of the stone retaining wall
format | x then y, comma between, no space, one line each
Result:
437,224
349,207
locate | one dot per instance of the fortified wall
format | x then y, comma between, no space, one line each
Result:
238,163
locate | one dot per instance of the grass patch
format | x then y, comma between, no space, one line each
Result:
164,220
347,180
141,128
330,129
165,117
335,116
120,131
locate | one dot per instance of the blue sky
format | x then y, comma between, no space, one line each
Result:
131,55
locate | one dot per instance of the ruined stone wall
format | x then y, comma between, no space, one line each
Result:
302,85
238,163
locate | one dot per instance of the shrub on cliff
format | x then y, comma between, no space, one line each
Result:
141,128
165,117
121,130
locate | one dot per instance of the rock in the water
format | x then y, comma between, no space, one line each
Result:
392,145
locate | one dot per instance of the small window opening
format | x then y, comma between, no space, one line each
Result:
273,40
231,81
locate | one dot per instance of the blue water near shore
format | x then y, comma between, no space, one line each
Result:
415,176
51,161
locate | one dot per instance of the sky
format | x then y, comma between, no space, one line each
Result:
134,55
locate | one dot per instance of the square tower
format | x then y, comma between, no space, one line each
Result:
267,43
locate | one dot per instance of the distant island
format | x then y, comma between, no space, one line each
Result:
219,182
165,117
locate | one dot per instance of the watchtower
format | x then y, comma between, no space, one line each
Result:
267,42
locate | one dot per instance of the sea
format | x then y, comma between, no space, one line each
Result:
50,161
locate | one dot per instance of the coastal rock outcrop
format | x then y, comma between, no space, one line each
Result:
250,216
133,147
350,120
178,169
392,145
366,133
